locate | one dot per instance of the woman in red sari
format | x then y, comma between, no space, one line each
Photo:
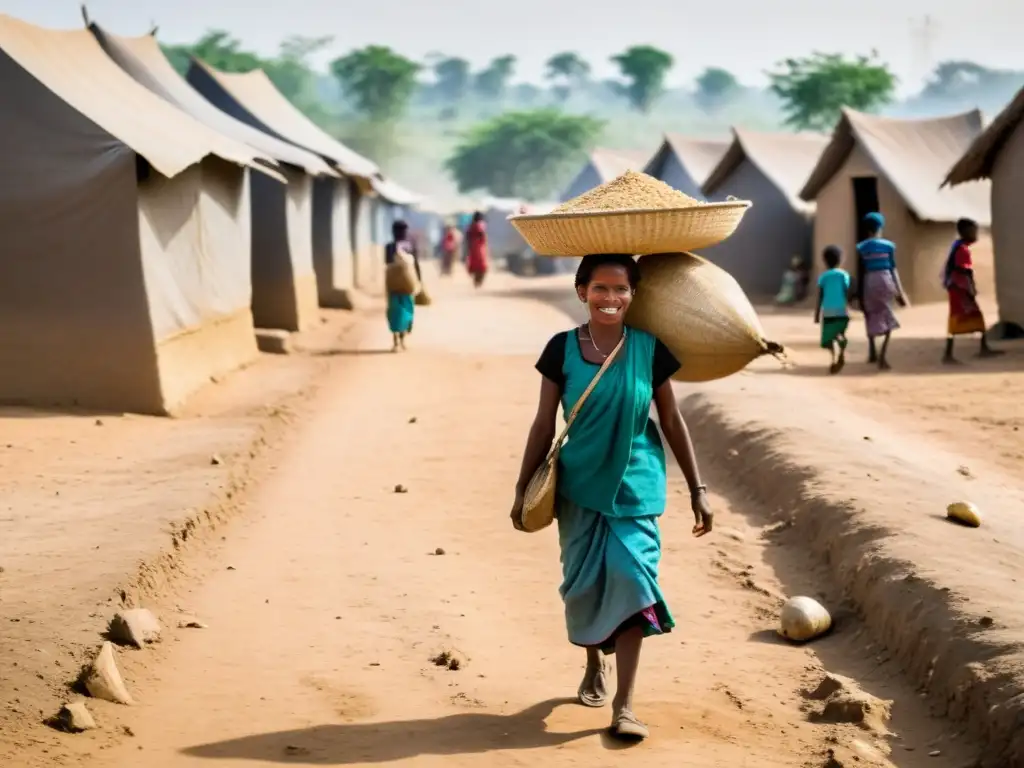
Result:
476,242
964,313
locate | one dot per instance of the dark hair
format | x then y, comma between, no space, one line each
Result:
588,264
832,255
964,226
478,216
399,229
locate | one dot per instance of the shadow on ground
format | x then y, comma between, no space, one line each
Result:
353,743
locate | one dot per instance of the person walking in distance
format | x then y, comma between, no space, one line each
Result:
878,287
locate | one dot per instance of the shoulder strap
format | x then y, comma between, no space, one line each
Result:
586,393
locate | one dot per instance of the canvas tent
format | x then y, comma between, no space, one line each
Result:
896,167
767,169
277,299
684,162
997,154
345,256
124,273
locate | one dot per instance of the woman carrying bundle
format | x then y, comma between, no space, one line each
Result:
611,481
401,305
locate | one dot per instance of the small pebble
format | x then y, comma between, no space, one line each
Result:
439,551
401,489
216,460
935,753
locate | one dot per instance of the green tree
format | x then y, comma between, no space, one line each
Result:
567,71
453,78
379,81
715,87
293,74
521,154
492,82
644,67
816,88
218,49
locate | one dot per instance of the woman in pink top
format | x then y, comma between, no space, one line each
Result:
476,241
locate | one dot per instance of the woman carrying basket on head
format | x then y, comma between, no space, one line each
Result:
611,479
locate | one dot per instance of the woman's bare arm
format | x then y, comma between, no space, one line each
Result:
676,434
542,433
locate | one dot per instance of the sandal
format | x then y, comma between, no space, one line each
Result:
597,697
625,726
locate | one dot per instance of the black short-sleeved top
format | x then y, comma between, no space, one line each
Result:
663,366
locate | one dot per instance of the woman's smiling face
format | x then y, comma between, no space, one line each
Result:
608,294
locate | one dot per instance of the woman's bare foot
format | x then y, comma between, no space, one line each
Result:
593,691
883,365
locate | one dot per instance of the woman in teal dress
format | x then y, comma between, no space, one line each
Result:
401,306
611,488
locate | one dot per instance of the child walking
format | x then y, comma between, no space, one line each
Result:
965,316
832,311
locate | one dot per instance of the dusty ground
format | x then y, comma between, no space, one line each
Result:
966,407
326,599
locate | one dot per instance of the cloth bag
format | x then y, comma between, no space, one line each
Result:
400,274
539,500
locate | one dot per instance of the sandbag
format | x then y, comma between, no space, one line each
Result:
803,619
965,513
400,275
700,313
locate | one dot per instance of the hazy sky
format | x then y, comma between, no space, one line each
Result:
745,36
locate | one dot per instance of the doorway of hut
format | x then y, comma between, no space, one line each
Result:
865,201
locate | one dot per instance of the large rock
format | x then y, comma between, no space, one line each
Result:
137,627
103,679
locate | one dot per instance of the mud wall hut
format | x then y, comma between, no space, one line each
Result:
896,167
997,154
304,277
769,170
124,275
684,162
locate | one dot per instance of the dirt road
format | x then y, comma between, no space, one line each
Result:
326,602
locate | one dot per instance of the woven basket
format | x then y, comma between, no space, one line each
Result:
700,313
633,231
423,298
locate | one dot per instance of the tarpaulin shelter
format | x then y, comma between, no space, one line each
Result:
279,300
344,255
124,272
997,154
685,162
769,170
896,167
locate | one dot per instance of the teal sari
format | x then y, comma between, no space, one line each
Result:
611,494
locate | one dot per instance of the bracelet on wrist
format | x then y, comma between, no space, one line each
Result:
697,490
